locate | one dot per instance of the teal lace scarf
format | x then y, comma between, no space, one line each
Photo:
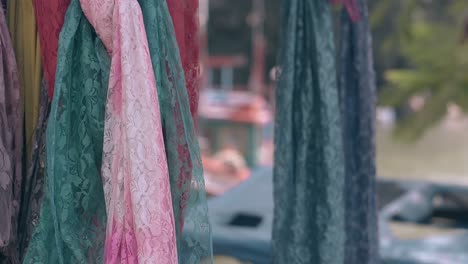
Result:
309,172
358,101
72,221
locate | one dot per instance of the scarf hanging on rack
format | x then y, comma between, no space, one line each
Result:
72,221
140,227
183,153
33,183
11,139
309,167
49,17
358,101
22,25
184,15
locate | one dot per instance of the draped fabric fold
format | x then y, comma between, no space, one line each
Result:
184,15
33,183
140,226
351,6
72,220
50,15
11,139
309,170
182,149
49,18
22,25
358,101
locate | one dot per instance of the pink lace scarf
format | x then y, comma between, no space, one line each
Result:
140,226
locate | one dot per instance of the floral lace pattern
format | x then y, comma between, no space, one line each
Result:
33,183
72,222
358,102
309,172
182,150
50,15
11,138
184,15
136,181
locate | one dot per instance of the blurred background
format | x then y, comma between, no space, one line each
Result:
421,63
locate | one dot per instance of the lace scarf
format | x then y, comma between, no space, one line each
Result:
49,18
33,182
11,139
140,226
72,221
184,15
309,172
358,101
182,149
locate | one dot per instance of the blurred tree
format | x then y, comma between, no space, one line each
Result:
421,51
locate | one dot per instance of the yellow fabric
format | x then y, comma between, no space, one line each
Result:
22,25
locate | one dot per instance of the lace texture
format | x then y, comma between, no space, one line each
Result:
11,138
49,18
309,172
358,101
184,15
33,183
182,150
72,221
141,225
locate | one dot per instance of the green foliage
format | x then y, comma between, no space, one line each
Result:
426,36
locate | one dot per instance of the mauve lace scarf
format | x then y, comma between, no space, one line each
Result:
11,139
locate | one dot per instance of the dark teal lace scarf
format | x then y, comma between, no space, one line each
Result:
358,100
324,175
309,171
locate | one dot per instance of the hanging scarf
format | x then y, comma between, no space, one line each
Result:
72,221
22,25
33,183
309,162
11,138
183,153
358,100
49,17
351,7
140,227
184,15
